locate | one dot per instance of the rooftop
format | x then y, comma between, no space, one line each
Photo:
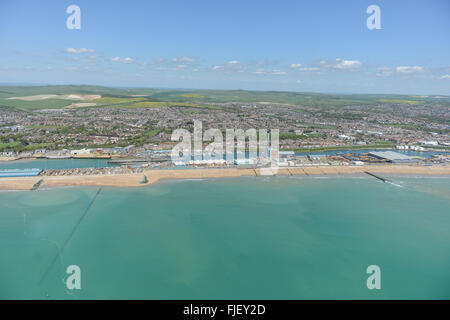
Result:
390,155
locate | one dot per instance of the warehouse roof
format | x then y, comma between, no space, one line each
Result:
390,155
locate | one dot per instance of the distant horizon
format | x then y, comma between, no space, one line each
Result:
209,89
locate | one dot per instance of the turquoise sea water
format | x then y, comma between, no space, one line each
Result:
49,164
237,238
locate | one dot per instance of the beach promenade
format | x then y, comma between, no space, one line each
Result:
153,176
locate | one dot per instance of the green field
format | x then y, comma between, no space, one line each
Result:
158,98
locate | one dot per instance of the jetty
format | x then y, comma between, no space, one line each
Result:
377,177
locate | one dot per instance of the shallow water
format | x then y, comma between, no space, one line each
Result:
236,238
51,164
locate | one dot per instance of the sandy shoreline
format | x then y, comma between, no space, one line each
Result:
153,176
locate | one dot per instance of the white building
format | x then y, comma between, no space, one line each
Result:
242,162
81,151
430,143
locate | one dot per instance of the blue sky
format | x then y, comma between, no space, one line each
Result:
321,46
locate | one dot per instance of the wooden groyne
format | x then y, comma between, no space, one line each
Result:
144,180
37,185
376,177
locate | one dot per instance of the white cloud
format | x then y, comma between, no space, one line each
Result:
310,69
81,50
384,72
181,67
234,66
409,69
265,63
445,76
184,59
259,71
230,66
272,72
71,68
91,58
299,67
277,72
338,64
178,63
123,60
347,64
156,62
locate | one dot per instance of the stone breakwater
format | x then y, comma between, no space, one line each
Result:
90,171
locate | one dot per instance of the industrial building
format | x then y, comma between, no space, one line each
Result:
286,158
244,162
288,155
393,157
313,157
